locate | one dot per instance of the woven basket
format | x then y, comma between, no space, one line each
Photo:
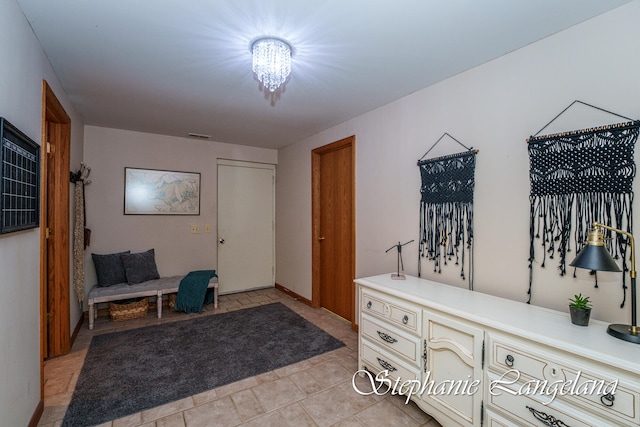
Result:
126,310
172,301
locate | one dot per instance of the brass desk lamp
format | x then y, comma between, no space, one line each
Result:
594,256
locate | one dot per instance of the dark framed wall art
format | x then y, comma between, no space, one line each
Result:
19,180
160,192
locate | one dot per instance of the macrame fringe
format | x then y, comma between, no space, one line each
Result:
446,231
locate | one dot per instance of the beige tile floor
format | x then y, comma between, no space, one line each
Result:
314,392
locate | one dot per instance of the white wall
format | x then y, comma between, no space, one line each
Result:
493,108
24,66
108,151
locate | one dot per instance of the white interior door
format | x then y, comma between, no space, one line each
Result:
246,226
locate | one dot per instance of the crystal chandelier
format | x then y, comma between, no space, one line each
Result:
271,62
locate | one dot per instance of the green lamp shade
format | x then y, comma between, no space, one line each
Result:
592,257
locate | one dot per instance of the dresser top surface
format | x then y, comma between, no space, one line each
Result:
528,321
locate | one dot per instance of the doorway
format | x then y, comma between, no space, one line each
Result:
333,227
55,332
246,226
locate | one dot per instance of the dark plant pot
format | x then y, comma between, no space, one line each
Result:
580,316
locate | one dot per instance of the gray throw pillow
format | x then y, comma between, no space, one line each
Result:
109,268
140,267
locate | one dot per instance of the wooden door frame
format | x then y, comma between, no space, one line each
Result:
315,220
52,111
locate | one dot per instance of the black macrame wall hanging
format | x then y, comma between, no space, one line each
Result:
446,210
577,178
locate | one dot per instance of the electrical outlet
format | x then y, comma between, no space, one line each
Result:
207,228
195,229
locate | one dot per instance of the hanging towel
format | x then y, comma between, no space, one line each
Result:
78,241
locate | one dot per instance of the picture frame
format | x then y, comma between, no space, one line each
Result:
161,192
19,180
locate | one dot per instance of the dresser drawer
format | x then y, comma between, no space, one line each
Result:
519,361
373,305
399,312
529,409
377,360
404,345
622,405
580,384
405,316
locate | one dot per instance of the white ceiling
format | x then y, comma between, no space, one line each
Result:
178,66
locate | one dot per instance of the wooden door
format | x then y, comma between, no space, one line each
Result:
54,270
333,247
246,226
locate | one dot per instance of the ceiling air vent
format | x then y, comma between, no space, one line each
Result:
199,135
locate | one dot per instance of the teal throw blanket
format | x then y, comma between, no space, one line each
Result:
192,292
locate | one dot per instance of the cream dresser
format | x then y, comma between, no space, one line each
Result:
471,359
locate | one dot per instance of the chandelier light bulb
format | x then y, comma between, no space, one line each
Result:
271,62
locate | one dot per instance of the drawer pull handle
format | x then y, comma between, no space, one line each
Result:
386,337
405,319
546,419
386,365
369,304
509,360
607,399
424,356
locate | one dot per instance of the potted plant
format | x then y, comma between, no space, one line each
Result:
580,310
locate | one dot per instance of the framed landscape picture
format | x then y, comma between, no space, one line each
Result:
159,192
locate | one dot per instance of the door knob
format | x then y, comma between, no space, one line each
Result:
321,238
221,241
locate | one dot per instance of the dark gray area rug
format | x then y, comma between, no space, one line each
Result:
130,371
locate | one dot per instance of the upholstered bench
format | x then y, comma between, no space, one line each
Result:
157,288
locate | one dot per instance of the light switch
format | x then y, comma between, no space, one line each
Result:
207,228
195,229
